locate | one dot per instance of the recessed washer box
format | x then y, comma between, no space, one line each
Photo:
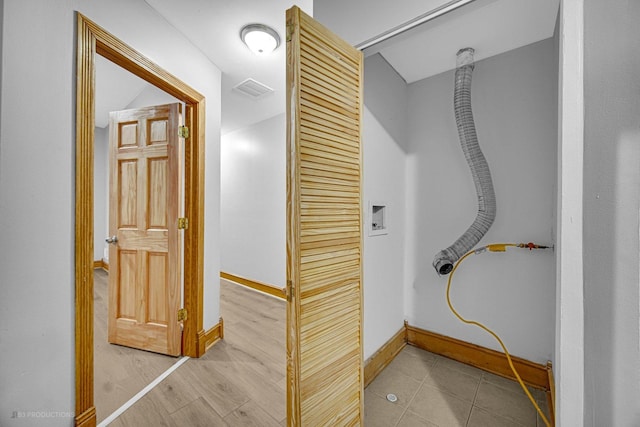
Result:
377,218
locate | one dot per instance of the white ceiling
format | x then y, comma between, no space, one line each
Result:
489,26
214,27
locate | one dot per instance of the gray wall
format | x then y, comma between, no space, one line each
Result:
514,99
611,206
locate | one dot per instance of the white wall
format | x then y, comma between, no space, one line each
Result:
514,101
36,211
37,187
100,193
253,202
151,95
383,139
383,169
1,59
440,197
611,206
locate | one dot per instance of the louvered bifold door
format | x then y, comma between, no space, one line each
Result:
324,226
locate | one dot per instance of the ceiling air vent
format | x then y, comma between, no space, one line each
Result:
253,88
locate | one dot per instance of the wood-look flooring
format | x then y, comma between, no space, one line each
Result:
240,381
120,372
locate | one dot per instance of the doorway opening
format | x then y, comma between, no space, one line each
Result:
92,40
136,138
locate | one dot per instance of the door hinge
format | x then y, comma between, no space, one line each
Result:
183,223
182,314
289,290
183,132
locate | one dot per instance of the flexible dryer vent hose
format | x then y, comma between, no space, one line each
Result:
446,258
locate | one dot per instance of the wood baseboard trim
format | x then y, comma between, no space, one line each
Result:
207,339
262,287
87,418
533,374
381,358
101,264
551,394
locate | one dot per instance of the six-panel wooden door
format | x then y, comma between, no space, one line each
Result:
145,253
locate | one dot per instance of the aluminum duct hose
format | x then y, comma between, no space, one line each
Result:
444,260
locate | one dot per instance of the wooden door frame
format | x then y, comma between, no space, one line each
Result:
92,40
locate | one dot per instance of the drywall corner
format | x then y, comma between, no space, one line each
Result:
385,95
569,340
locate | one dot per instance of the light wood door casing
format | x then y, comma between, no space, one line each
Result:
144,203
324,227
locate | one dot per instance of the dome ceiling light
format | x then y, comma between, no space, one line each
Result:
260,38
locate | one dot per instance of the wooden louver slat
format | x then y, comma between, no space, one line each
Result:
324,227
340,118
322,136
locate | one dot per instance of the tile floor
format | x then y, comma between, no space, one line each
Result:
436,391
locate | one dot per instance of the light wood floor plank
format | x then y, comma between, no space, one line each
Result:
120,372
149,412
197,414
174,393
250,415
223,395
240,381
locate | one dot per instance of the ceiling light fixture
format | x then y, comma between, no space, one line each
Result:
260,38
